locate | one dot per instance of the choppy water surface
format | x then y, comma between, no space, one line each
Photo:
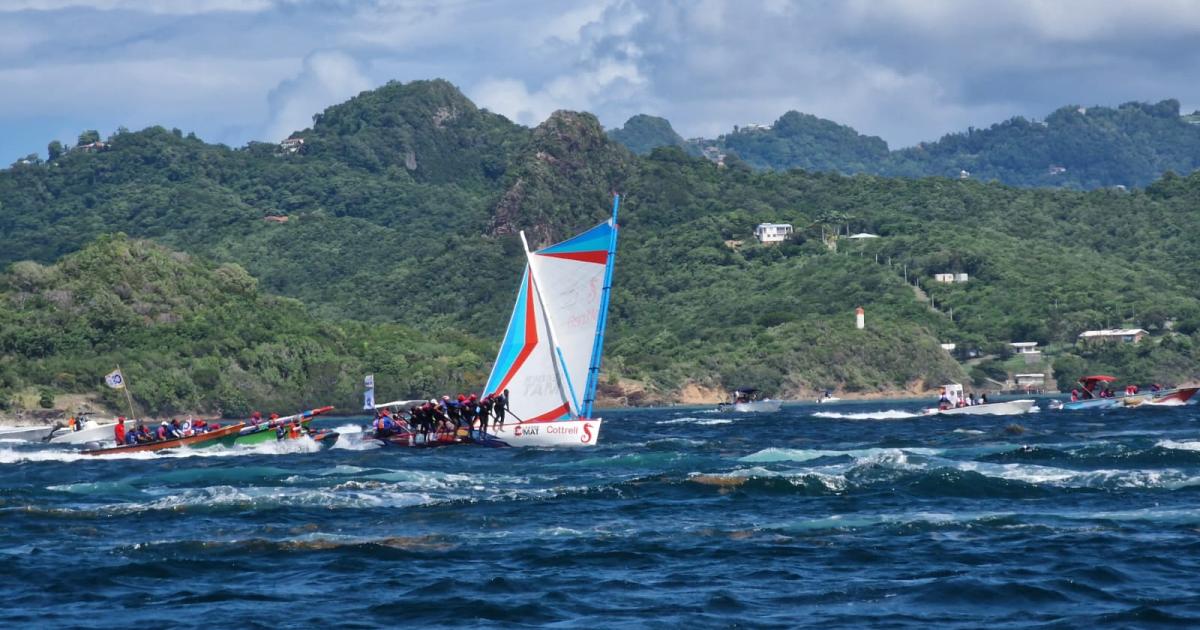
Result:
846,514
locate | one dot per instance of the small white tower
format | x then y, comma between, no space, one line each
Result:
860,318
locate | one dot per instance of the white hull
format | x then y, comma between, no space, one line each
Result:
754,406
561,433
1006,408
828,400
93,432
29,434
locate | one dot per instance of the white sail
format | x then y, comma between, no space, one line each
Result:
550,358
525,364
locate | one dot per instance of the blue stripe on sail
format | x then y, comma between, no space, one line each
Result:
589,389
514,337
595,239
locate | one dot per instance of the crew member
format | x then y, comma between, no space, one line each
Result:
500,407
119,430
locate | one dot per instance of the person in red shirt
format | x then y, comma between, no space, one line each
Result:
119,430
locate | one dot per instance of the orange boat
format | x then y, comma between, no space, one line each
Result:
173,443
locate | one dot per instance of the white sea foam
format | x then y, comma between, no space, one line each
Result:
691,420
890,414
1186,445
52,454
865,455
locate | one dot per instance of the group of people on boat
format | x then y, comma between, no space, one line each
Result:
447,420
142,434
946,401
1107,392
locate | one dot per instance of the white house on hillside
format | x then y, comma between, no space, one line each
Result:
773,232
1123,335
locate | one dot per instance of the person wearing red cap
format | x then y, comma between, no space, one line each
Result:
119,430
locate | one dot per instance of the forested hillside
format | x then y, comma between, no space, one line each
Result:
194,336
394,225
1079,148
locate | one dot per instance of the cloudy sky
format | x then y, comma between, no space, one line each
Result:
905,70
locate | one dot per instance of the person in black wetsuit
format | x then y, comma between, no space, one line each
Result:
485,413
500,407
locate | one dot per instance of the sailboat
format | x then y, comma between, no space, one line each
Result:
549,361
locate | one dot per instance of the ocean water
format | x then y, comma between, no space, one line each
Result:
842,515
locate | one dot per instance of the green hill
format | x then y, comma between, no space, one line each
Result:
194,336
403,271
1081,148
642,134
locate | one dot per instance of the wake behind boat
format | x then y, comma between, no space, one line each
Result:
549,362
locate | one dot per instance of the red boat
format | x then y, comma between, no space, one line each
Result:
1165,398
173,443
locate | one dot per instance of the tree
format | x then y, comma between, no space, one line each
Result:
54,149
88,137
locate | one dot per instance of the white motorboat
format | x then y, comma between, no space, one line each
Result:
826,397
91,431
28,434
746,400
1006,408
952,404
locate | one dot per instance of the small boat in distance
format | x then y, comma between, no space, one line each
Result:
827,397
954,403
749,400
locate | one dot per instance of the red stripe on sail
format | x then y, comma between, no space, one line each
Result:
531,337
552,415
600,256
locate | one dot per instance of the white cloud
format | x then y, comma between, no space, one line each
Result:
171,7
326,78
907,70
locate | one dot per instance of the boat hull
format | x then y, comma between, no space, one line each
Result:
28,434
250,436
92,432
1092,404
542,434
411,440
1167,398
1006,408
166,444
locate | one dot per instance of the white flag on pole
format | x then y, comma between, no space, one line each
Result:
115,379
369,394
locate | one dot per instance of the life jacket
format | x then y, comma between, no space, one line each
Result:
294,431
119,433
